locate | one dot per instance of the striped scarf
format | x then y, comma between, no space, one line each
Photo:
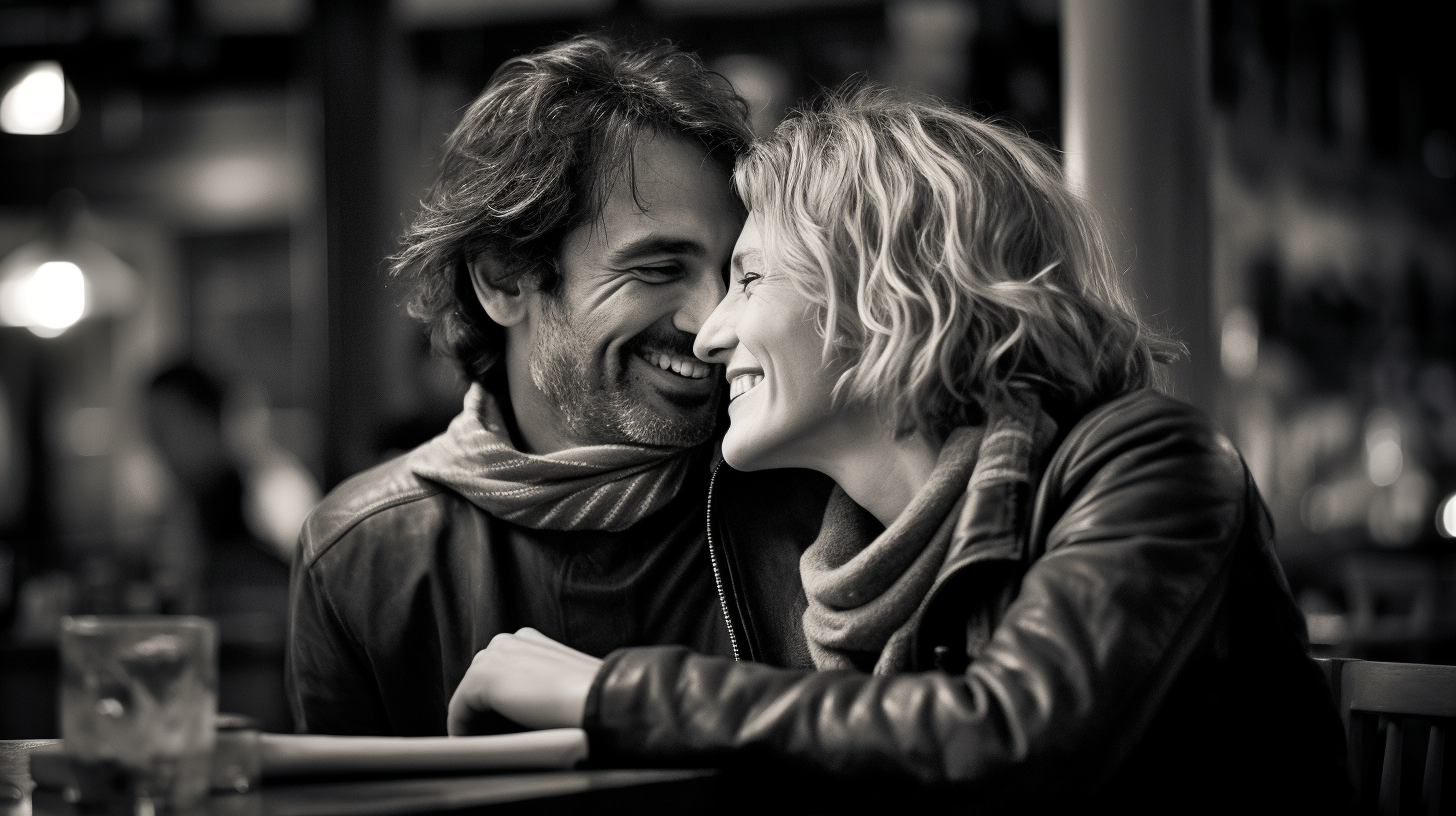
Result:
597,487
866,597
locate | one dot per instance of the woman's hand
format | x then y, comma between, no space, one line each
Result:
528,678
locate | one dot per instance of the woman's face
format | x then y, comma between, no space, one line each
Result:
779,388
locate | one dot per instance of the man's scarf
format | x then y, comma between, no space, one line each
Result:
866,599
597,487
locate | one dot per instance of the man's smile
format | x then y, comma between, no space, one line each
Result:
682,380
677,364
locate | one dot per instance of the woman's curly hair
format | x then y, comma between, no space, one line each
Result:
534,157
948,258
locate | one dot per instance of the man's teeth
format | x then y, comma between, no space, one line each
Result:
683,366
742,383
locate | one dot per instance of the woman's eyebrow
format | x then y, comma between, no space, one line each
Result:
747,255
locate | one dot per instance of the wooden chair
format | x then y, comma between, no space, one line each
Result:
1387,708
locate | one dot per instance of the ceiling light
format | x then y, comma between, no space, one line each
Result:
38,101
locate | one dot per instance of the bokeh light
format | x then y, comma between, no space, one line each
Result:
36,104
47,301
1384,458
1239,344
1446,517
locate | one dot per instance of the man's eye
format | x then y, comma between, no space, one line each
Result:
657,274
747,278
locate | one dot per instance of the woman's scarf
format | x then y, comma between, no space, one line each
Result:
597,487
866,599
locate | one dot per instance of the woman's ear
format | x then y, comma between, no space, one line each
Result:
504,306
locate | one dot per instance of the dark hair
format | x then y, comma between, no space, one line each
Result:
534,157
191,383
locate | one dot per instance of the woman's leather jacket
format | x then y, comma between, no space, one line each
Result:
1139,649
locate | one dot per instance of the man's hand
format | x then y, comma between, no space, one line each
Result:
527,677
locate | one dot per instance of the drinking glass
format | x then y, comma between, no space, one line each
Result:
138,707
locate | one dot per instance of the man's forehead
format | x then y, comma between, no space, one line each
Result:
670,197
662,166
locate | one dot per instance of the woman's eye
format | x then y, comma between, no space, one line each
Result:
747,278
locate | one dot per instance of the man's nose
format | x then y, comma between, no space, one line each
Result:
705,289
718,336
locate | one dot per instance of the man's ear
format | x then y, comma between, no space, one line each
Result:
505,307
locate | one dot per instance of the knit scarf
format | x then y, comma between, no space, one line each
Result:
867,592
595,487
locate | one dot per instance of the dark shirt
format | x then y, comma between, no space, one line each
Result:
400,581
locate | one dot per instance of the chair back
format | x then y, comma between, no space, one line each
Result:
1397,719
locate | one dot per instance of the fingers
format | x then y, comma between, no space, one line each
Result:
526,677
463,710
456,720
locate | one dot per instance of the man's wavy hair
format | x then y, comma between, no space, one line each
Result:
534,157
948,259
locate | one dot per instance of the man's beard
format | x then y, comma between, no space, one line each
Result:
597,410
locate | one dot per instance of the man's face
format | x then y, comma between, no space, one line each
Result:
613,345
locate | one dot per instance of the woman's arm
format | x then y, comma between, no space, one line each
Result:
1134,569
1135,566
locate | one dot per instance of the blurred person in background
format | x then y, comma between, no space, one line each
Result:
1037,580
238,501
576,239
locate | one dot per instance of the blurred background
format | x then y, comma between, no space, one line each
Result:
197,337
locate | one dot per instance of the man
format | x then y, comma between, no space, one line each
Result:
572,247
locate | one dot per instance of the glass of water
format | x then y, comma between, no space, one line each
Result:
138,708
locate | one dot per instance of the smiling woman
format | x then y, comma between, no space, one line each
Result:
782,395
1036,581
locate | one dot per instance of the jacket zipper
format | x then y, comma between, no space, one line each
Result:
717,575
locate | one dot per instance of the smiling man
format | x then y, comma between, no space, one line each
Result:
575,242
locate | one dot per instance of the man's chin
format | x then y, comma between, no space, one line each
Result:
663,420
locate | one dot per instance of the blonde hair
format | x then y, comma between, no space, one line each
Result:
949,261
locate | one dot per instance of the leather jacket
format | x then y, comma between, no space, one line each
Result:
1140,650
399,581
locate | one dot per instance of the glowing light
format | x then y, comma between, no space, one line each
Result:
239,183
36,104
1446,517
1384,459
47,301
1239,345
1385,462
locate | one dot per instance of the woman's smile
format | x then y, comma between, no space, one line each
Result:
740,383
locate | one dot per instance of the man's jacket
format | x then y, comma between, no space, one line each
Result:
399,581
1141,650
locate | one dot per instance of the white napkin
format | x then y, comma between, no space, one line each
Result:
314,755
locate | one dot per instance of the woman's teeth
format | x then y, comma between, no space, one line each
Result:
742,384
683,366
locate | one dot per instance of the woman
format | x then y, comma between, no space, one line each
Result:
1035,575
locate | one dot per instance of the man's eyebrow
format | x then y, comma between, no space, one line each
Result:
656,245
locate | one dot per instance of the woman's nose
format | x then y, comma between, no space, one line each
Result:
718,337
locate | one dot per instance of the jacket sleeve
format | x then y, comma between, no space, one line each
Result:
1142,524
330,686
